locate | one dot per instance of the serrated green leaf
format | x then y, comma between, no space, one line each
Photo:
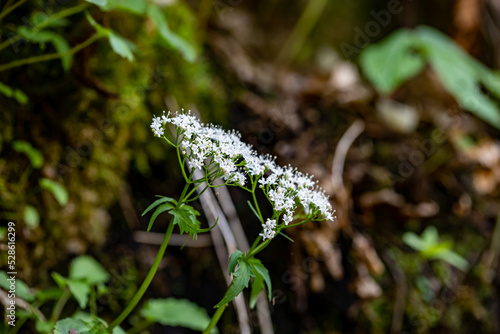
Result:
95,324
65,325
80,290
259,269
186,220
257,286
158,202
176,312
156,15
389,63
31,216
88,269
162,208
193,210
56,189
121,46
241,277
233,261
22,289
34,155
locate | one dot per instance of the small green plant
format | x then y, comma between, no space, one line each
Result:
293,196
43,29
220,154
430,248
405,53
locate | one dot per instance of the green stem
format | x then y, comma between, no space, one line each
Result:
51,56
11,8
60,15
303,28
190,193
140,326
215,319
258,248
138,295
60,304
257,206
197,196
93,301
255,243
181,163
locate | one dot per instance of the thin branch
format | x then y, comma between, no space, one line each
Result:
5,300
401,290
11,8
343,146
302,29
50,56
57,16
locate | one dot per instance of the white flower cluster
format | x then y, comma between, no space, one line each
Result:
269,231
206,146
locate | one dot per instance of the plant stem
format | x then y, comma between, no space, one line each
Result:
11,8
258,248
140,326
138,295
257,205
51,56
181,163
60,15
93,301
60,304
215,319
295,41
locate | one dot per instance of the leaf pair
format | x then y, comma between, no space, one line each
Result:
84,323
155,14
84,273
184,215
404,54
247,268
429,246
120,45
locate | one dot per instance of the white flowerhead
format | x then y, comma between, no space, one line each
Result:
268,232
222,154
